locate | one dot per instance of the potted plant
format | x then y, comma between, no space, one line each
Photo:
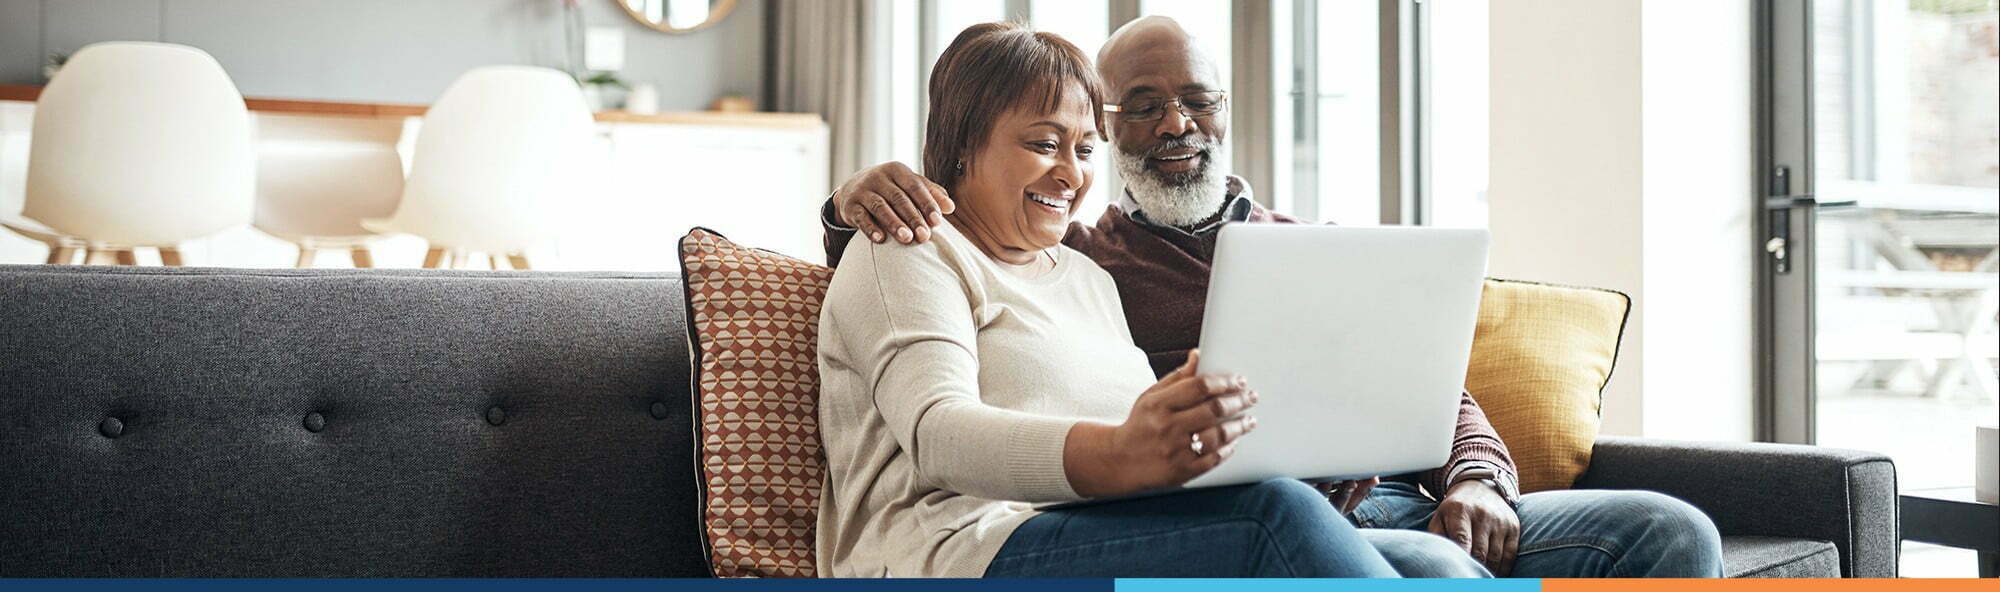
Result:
603,90
54,64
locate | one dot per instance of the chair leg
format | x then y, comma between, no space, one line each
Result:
127,257
100,257
456,259
170,256
61,255
519,261
434,258
493,262
362,258
306,256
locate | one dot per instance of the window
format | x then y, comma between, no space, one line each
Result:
1455,113
906,92
1333,94
1086,24
954,16
1318,121
1207,20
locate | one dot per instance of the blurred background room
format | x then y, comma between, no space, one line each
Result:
1799,195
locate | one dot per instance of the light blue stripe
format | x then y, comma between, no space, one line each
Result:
1304,585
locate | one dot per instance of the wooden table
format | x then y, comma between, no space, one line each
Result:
1898,223
1951,517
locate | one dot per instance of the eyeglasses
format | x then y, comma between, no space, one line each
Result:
1193,105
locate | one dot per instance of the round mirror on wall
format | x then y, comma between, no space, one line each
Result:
677,16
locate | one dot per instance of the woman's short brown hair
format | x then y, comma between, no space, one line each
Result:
990,69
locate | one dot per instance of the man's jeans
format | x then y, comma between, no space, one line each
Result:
1277,528
1564,534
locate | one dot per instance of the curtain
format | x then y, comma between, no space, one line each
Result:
828,58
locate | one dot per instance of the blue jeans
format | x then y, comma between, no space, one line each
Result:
1420,554
1568,534
1277,528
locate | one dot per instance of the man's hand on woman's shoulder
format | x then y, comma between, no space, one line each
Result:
889,199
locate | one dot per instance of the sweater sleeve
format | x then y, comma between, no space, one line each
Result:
904,314
1474,445
836,236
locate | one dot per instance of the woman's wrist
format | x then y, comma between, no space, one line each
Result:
1086,459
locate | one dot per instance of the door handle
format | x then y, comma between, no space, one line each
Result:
1779,203
1802,201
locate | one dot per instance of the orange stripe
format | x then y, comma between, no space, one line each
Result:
1770,585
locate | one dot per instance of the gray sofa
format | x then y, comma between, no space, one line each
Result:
281,423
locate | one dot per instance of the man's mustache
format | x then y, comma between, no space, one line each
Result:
1207,148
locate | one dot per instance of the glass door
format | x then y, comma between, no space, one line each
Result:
1905,143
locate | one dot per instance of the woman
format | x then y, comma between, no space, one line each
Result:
990,368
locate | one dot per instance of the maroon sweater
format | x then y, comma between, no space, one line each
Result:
1162,277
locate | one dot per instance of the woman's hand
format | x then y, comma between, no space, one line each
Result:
1180,428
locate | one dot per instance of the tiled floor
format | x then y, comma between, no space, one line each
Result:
1932,561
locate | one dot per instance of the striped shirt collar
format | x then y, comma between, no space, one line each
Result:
1237,205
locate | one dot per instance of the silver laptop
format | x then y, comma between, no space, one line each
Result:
1356,340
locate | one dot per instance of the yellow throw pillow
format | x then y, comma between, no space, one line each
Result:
1540,358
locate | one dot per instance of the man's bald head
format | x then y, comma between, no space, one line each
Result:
1150,39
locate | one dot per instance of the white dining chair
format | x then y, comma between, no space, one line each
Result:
16,120
140,144
493,161
319,177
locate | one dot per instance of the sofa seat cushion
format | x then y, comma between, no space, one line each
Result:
1778,557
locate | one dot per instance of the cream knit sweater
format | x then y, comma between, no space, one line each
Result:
948,385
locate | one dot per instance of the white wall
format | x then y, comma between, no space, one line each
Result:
1698,248
1565,183
398,51
1621,158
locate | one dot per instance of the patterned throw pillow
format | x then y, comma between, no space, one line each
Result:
754,326
1541,356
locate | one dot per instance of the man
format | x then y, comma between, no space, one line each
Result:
1168,127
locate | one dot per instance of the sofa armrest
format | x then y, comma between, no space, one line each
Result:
1847,497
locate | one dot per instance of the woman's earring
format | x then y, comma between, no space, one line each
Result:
959,168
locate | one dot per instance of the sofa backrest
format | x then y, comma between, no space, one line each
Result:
280,423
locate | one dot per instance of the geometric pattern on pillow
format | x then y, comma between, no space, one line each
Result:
1541,355
754,332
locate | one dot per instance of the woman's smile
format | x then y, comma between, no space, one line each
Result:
1056,203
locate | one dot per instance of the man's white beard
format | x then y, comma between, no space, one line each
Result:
1176,204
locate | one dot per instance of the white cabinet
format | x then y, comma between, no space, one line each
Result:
760,186
757,178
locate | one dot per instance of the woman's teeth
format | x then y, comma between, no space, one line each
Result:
1046,201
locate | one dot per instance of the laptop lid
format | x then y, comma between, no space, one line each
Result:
1356,340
